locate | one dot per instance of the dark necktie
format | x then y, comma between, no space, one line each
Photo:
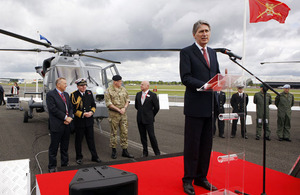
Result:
65,101
205,56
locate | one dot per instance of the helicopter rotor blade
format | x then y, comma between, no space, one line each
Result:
112,50
31,50
28,39
288,62
103,59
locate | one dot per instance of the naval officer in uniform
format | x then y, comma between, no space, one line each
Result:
84,107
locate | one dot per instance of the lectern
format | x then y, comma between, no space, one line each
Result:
228,174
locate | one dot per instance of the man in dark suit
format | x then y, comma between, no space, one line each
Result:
239,102
147,105
198,64
84,107
60,116
221,99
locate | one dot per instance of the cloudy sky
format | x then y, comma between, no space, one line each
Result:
119,24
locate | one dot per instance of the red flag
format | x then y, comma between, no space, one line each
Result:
265,10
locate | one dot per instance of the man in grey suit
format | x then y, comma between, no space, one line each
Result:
60,116
198,64
147,105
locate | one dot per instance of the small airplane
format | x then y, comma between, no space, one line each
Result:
67,63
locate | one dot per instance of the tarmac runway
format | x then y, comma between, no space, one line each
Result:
31,140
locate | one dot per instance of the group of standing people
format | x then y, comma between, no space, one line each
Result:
76,112
66,113
284,103
147,106
198,64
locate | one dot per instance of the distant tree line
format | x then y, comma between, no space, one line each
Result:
153,82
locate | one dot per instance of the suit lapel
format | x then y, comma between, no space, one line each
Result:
61,100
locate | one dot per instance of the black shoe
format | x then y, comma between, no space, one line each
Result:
125,153
79,161
232,136
287,139
53,170
280,139
245,137
206,185
114,153
97,160
145,154
268,138
221,136
188,188
65,165
257,138
157,153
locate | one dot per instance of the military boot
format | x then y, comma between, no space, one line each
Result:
114,153
125,153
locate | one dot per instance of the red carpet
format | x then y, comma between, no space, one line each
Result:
163,176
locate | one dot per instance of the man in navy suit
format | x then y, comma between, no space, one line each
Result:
198,64
147,105
60,116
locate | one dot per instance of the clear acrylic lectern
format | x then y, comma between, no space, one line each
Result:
226,170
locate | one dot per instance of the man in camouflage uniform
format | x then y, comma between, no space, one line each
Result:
117,101
259,101
284,103
84,107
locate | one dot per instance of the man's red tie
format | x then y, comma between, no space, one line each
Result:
205,56
65,101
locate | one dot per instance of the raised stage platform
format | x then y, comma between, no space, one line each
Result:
163,176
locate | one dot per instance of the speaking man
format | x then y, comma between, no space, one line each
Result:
147,105
60,116
198,64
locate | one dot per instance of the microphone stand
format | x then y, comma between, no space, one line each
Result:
265,89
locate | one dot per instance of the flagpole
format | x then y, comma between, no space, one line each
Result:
244,34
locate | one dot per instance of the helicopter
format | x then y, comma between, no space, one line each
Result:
67,63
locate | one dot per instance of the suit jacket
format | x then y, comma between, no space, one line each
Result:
239,104
194,73
147,111
83,104
57,110
221,98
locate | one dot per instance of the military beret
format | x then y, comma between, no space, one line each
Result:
261,85
80,81
116,77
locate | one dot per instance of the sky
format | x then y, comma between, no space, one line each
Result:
160,24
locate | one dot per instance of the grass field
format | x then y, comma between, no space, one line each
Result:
178,90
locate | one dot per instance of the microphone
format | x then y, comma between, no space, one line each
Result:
227,52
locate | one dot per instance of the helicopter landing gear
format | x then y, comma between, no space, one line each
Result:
25,117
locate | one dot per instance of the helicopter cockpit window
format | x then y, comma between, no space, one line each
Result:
70,73
94,75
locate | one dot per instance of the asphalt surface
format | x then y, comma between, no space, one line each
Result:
31,140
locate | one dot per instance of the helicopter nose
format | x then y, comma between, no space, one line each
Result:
100,97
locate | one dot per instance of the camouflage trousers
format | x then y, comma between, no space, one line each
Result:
118,121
